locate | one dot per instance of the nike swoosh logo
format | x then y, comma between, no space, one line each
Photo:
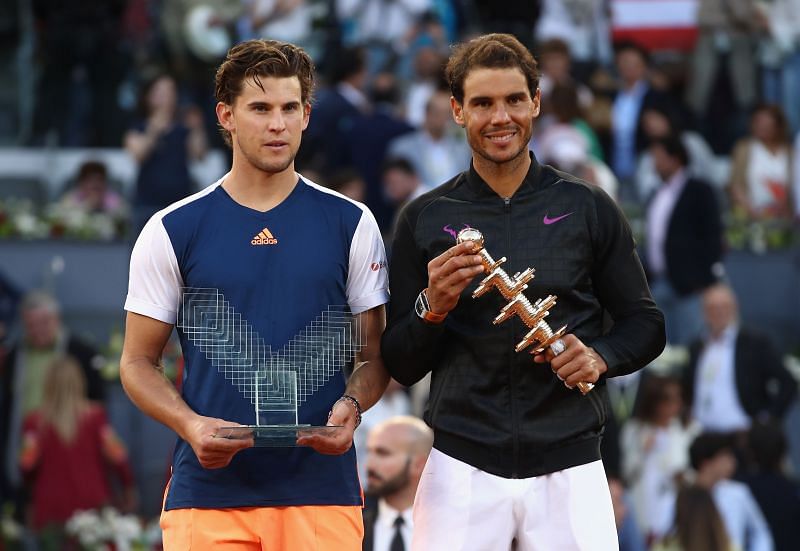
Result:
547,220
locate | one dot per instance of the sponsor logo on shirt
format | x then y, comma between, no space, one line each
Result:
454,233
264,237
375,266
547,220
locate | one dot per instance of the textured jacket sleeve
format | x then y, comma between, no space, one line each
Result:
409,345
637,336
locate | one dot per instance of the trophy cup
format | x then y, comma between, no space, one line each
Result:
275,383
541,336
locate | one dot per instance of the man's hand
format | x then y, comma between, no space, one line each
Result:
578,363
336,441
449,274
212,448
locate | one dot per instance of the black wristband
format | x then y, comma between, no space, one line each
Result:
354,403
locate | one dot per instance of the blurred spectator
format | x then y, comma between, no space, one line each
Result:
555,66
336,110
735,376
723,68
712,458
777,495
425,79
564,108
780,56
43,339
400,182
582,24
684,241
92,193
348,182
394,402
761,171
796,175
381,26
9,300
397,450
698,524
286,20
517,17
82,64
633,95
163,145
661,121
368,139
68,446
655,454
630,538
435,150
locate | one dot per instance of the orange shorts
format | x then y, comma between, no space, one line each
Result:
295,528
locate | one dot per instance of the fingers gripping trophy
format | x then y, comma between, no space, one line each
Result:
541,336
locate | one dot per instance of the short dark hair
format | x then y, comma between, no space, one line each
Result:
632,46
92,168
262,58
707,446
398,163
490,51
674,147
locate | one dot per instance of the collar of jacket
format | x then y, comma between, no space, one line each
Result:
532,182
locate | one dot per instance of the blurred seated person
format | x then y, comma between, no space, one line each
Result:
761,174
555,65
777,494
91,192
68,448
713,460
400,182
44,338
630,538
565,111
655,454
734,376
660,120
397,450
698,525
566,149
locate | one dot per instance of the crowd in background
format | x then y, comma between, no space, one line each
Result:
695,461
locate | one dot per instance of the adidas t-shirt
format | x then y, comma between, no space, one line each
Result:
277,271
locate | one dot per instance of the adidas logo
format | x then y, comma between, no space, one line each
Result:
264,237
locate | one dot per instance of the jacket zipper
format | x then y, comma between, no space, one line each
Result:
511,385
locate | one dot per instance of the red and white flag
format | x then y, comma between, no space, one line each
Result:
655,24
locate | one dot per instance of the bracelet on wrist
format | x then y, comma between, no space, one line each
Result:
353,402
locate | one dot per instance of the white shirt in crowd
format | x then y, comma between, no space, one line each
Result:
658,216
716,401
384,526
742,517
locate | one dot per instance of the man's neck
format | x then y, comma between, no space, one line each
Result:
503,178
259,190
402,499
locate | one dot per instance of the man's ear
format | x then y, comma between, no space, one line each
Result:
225,116
458,111
306,114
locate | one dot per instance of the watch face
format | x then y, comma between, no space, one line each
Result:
419,306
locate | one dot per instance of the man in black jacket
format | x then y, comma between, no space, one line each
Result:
684,241
516,452
735,376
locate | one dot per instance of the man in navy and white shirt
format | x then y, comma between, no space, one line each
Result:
280,250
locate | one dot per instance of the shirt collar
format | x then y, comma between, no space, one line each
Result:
530,183
387,514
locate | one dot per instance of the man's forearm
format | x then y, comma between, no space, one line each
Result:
155,395
368,382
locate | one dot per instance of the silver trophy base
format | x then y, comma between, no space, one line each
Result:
274,436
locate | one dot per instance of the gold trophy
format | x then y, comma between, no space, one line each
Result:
541,336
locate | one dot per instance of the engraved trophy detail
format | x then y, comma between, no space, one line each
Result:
541,336
276,383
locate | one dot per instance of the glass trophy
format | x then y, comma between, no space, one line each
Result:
275,383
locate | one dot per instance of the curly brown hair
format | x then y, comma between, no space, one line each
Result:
491,51
257,58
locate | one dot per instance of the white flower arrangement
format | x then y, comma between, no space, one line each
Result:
108,529
671,360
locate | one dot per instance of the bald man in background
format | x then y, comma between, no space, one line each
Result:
397,450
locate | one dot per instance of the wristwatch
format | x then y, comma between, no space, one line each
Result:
423,309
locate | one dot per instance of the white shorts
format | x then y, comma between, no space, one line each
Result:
461,508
